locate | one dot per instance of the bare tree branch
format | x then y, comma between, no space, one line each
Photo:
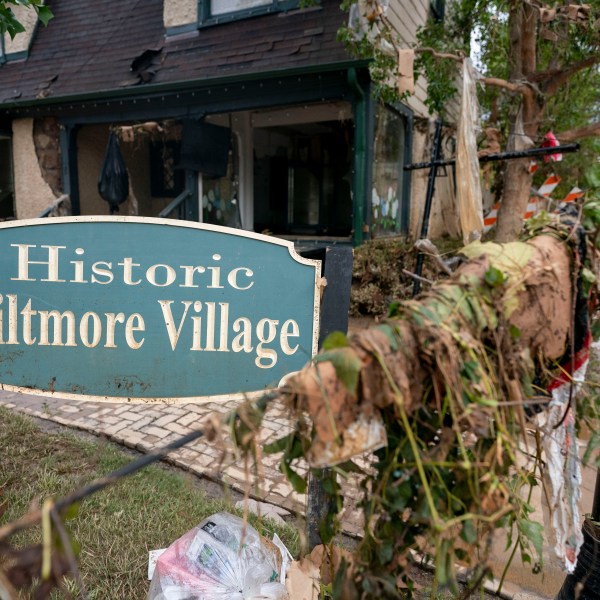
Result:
552,81
436,54
511,86
592,130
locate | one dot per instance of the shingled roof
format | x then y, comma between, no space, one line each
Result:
89,48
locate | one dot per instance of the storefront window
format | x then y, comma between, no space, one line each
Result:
220,196
303,178
388,160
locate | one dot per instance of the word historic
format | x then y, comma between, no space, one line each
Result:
198,324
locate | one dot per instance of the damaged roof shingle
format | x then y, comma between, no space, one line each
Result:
97,47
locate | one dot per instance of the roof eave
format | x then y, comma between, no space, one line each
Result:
154,89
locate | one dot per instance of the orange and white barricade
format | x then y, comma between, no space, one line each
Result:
535,205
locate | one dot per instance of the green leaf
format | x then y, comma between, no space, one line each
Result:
331,486
470,371
338,582
534,532
336,339
494,277
393,309
297,482
515,332
347,366
71,511
385,551
390,334
588,275
279,445
348,467
469,532
44,14
592,445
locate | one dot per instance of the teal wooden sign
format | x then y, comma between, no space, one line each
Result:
126,307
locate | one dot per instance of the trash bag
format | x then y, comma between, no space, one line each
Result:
113,184
222,558
468,184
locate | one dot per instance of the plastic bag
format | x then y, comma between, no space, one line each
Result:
223,558
468,185
113,184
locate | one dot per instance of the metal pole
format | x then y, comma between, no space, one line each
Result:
500,156
335,305
437,140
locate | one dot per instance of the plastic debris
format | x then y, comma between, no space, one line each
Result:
263,509
223,558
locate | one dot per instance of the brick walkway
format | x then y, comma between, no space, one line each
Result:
146,427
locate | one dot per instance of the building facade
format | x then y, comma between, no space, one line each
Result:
245,113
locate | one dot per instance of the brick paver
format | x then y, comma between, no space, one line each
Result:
146,427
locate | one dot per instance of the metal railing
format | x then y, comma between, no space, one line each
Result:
55,206
179,204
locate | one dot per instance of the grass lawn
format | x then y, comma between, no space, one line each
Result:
116,527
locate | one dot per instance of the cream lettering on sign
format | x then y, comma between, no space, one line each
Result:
242,341
289,329
128,265
102,272
266,338
78,264
23,262
232,278
84,329
132,273
57,318
111,322
172,331
170,275
189,275
135,322
27,313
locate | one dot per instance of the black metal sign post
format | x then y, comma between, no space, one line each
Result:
335,306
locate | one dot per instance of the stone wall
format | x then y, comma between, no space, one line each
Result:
32,193
46,139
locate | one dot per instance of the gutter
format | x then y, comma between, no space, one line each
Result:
144,91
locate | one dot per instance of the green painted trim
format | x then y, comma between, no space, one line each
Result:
360,156
148,90
70,172
408,115
21,55
180,29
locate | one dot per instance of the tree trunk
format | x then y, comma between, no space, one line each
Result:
523,20
517,185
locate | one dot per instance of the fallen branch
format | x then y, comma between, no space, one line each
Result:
439,393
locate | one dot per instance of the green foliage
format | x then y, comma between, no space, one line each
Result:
480,28
9,23
346,364
453,469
